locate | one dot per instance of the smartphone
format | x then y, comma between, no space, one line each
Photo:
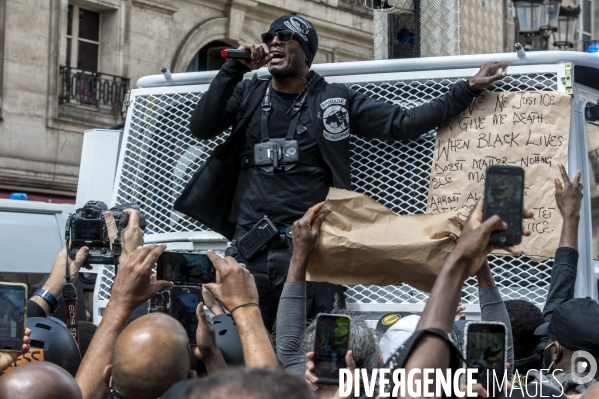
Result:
504,197
13,310
160,302
185,268
330,346
485,346
183,304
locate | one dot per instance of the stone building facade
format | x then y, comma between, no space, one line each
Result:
66,64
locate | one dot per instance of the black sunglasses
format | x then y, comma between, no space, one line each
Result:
284,36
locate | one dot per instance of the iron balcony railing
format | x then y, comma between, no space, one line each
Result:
92,89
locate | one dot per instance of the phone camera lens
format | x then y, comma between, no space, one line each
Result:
502,239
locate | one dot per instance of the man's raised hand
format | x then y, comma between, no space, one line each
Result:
260,55
473,245
132,235
488,74
568,194
134,284
306,231
237,286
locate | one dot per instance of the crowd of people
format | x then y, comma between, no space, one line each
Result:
150,357
264,296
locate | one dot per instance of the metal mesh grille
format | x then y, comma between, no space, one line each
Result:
160,157
397,174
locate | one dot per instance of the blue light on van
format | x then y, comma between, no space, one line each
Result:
593,47
18,196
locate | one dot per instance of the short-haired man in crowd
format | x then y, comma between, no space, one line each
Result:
574,327
245,383
39,380
149,356
525,318
312,120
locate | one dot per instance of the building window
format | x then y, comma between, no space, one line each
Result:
208,58
83,38
585,19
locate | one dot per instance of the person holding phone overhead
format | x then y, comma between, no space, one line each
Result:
290,142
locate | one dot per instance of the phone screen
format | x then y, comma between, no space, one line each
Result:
486,350
160,302
188,268
330,346
12,316
504,192
184,302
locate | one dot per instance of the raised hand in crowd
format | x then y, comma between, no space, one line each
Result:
209,300
132,235
306,232
207,349
568,195
57,279
7,358
238,294
471,251
488,74
133,285
328,391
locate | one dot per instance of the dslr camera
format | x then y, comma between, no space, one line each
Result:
87,227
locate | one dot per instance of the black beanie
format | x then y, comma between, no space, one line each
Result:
304,31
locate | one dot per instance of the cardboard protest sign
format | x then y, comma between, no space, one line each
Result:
526,129
364,242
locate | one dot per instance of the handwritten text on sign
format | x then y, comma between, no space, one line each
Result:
526,129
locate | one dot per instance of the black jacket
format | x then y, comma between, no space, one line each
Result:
336,113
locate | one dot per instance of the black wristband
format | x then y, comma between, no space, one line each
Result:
49,298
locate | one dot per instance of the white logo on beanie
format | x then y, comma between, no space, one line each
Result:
299,26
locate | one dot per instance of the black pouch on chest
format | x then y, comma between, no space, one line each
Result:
278,155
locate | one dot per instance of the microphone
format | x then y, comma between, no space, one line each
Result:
235,53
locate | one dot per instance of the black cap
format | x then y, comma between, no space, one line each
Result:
304,31
575,325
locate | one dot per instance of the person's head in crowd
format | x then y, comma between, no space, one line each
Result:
149,356
39,380
395,329
573,327
363,340
525,318
59,346
244,383
86,334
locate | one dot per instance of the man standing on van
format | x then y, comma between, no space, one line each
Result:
289,143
